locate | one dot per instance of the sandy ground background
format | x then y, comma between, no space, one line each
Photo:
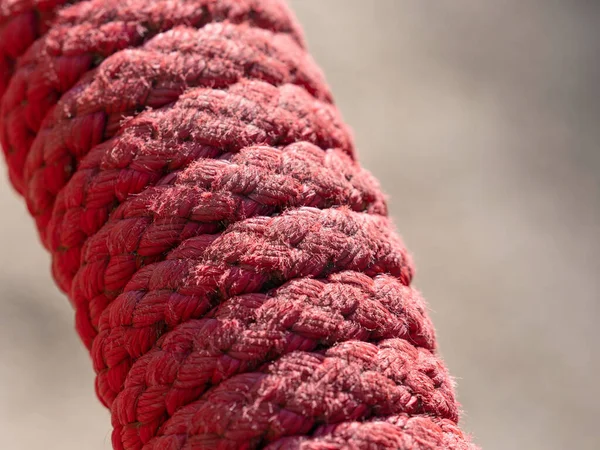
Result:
480,119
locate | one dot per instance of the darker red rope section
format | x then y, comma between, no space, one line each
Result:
232,266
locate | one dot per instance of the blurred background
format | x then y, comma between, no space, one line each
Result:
481,120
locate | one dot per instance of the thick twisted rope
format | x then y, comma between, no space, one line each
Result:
233,270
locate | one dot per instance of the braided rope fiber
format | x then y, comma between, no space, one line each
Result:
232,267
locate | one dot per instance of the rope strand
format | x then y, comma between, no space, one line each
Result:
232,267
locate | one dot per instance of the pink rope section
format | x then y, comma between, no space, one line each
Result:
233,270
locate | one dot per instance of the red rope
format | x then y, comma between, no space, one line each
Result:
233,270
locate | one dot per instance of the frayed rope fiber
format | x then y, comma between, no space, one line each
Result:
233,270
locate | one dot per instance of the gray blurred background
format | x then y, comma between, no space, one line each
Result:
480,119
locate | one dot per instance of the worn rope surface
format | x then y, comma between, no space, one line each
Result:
233,270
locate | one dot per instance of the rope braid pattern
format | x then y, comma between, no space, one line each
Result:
233,270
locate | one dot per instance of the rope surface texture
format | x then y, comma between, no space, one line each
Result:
232,267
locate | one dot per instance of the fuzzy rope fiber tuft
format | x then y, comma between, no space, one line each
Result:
232,267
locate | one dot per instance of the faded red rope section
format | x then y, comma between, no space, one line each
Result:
233,270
